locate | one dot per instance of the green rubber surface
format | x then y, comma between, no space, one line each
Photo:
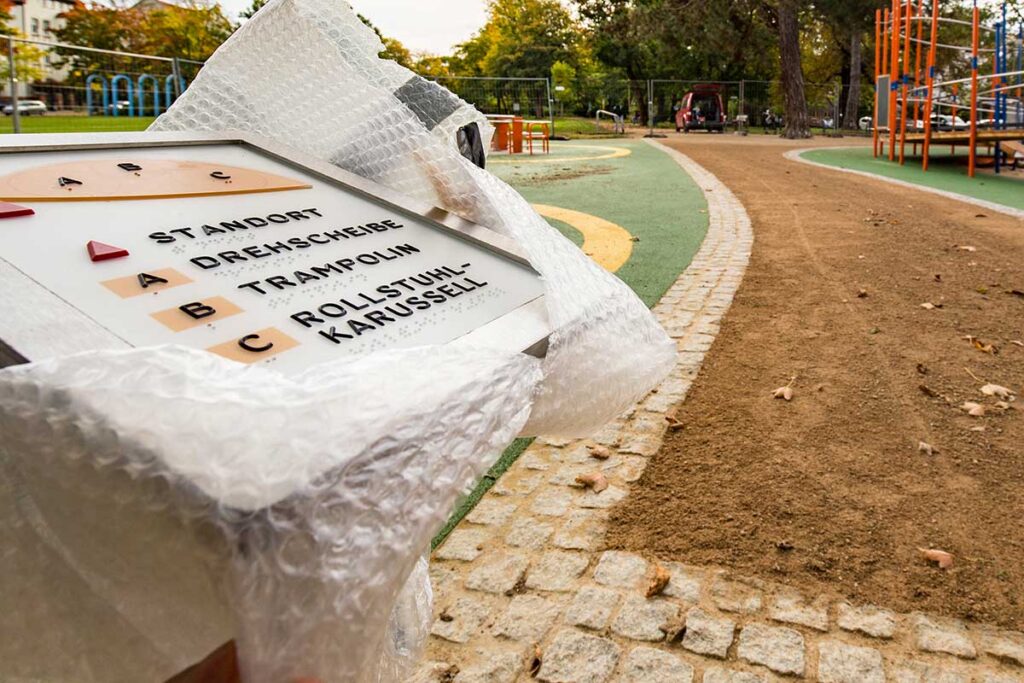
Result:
945,172
574,235
646,193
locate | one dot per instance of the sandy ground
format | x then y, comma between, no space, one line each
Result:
830,492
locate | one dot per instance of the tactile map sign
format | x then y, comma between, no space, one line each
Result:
222,247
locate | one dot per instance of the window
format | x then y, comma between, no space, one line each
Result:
35,27
46,27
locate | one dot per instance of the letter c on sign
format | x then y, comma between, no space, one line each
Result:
244,343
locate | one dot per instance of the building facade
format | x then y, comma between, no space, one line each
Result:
38,20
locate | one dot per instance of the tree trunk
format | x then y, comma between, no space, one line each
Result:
853,97
797,124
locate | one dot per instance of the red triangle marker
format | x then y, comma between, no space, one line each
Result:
8,210
98,251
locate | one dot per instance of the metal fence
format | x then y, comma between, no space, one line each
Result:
754,100
52,87
527,97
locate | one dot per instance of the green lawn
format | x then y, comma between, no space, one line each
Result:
945,172
578,127
57,123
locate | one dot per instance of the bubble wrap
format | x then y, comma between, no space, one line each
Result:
306,73
171,500
319,517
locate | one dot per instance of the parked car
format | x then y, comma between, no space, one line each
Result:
946,122
27,108
701,109
121,107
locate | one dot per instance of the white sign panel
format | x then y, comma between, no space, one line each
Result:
225,247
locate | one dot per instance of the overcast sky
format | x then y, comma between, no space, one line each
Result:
425,25
422,25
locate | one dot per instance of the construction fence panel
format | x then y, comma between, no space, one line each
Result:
85,89
526,97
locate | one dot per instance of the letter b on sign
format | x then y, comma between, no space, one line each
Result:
197,310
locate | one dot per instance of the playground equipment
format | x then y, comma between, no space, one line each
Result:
905,88
134,94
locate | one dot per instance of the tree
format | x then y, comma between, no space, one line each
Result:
431,66
28,61
784,15
252,9
563,80
393,48
849,22
193,31
5,18
522,38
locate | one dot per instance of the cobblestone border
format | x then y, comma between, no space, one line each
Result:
523,590
795,155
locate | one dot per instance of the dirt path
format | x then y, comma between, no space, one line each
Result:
830,492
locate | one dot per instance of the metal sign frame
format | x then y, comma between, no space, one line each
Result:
36,323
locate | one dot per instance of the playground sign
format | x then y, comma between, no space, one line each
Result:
882,103
236,246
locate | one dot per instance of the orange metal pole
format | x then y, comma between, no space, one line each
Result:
917,66
894,57
885,61
974,92
905,76
930,80
885,41
878,68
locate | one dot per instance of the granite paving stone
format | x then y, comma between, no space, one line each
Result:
648,665
592,607
574,657
779,648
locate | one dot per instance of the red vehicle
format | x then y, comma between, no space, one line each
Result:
701,109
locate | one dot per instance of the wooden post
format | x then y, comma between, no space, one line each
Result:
930,80
974,92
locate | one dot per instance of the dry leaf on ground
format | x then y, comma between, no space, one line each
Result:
997,390
940,557
673,424
537,661
784,392
973,409
595,481
966,247
659,579
980,345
